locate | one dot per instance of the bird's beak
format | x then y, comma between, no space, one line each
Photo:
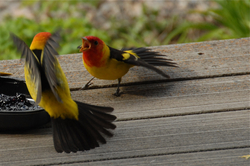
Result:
86,45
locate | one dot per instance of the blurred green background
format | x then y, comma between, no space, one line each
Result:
125,24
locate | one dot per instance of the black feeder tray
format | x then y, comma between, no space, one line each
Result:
22,119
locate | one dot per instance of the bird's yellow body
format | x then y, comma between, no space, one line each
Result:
67,108
107,71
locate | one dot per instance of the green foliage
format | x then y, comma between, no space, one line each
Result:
17,26
145,30
230,20
73,29
235,16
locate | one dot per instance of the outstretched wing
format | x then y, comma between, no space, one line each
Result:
142,57
153,58
32,65
49,63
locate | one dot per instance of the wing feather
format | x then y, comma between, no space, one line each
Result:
147,58
32,64
49,62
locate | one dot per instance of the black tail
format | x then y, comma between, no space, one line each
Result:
150,59
72,135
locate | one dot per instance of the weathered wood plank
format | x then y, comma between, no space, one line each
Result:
138,138
178,124
224,57
173,98
230,157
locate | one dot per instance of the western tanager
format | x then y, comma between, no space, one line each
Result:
76,126
105,62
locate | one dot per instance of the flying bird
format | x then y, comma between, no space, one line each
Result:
76,126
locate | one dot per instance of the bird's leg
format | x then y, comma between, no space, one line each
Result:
118,93
86,86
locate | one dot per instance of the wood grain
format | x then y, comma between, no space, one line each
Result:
137,139
198,117
223,57
173,98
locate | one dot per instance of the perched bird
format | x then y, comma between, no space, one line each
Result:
76,126
105,62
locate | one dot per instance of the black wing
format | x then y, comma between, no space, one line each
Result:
49,61
145,58
31,62
153,58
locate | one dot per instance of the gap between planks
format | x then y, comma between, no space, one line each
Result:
187,114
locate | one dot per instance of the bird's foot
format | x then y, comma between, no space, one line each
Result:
118,93
86,86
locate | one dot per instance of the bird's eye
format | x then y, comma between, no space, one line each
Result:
96,42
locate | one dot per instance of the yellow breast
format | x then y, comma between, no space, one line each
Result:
112,70
65,109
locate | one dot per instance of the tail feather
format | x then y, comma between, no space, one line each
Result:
105,116
67,142
94,133
151,67
71,135
66,136
162,63
99,121
56,136
79,136
98,127
73,142
102,130
96,108
99,114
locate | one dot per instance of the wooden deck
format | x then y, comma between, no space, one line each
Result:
201,116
